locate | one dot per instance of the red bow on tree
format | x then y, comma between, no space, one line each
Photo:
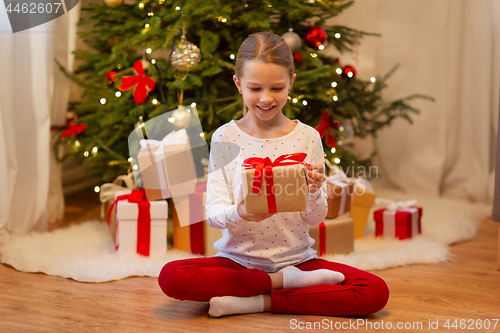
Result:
143,84
73,129
324,124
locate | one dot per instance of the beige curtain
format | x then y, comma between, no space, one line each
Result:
448,49
33,96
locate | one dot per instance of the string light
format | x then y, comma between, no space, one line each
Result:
334,150
161,2
224,20
337,35
148,50
202,135
135,167
177,8
338,70
97,189
295,100
334,84
151,14
304,102
171,119
373,79
321,47
154,101
86,154
94,151
335,98
141,5
118,94
232,56
314,55
146,26
193,104
153,61
77,143
130,159
103,101
349,74
336,160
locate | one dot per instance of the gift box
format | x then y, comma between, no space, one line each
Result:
401,223
138,226
362,203
167,166
339,197
334,236
279,186
197,237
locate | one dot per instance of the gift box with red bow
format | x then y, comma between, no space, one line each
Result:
137,225
400,221
334,236
167,166
279,186
197,237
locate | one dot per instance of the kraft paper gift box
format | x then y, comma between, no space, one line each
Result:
138,229
362,203
402,223
197,237
167,166
339,196
277,187
334,236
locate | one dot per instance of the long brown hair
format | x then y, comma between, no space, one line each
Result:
265,47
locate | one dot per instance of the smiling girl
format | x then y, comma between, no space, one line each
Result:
265,261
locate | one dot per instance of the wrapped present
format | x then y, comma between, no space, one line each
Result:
334,236
362,203
399,220
339,197
107,191
167,166
279,186
137,225
197,237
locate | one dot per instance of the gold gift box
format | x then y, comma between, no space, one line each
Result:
290,189
362,204
335,195
338,237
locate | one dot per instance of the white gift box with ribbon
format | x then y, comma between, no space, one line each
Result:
167,166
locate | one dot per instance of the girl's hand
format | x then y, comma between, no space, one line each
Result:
315,177
250,217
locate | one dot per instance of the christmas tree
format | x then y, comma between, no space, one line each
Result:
182,53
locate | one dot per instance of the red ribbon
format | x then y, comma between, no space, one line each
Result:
143,84
143,219
264,165
71,129
322,239
324,124
195,219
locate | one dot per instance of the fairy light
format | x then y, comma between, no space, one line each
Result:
193,104
161,2
151,14
373,79
335,98
177,8
314,55
288,98
334,84
86,154
135,167
321,47
118,94
94,150
171,119
304,102
334,150
141,5
269,5
295,100
130,159
153,61
349,74
148,50
224,20
339,70
154,101
202,135
97,189
77,143
146,26
232,56
337,35
336,160
103,101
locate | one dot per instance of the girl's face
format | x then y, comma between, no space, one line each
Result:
264,87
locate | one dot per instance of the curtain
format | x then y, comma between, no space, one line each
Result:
33,96
449,50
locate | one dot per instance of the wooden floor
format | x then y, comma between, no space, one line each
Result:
467,289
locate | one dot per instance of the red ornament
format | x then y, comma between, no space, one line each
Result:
143,84
73,129
325,127
109,76
348,72
297,57
315,37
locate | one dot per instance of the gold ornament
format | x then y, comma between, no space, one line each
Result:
182,117
185,55
113,3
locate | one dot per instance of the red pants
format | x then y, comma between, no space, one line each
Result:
200,279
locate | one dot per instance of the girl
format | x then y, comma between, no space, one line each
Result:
265,261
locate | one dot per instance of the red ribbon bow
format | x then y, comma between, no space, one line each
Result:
265,165
143,84
73,129
143,219
324,124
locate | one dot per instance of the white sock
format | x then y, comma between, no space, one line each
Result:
228,305
295,278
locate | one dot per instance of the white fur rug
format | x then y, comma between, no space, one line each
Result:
86,253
